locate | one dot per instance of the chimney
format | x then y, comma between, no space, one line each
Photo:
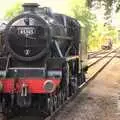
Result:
30,6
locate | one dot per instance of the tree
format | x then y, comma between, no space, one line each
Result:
13,11
97,31
111,6
107,3
81,12
117,5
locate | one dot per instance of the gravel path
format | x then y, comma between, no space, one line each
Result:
100,100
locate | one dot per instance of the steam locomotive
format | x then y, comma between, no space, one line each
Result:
45,60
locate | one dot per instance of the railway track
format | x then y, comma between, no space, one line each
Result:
113,53
104,65
94,54
107,54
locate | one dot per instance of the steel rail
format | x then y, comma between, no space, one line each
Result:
95,53
102,58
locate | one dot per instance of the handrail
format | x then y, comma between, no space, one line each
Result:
8,59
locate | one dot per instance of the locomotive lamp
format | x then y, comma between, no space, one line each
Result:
49,86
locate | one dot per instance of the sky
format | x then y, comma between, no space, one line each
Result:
56,5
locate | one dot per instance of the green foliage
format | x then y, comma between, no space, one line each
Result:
117,5
82,13
13,11
100,35
107,3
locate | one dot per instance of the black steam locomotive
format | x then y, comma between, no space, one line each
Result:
45,60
